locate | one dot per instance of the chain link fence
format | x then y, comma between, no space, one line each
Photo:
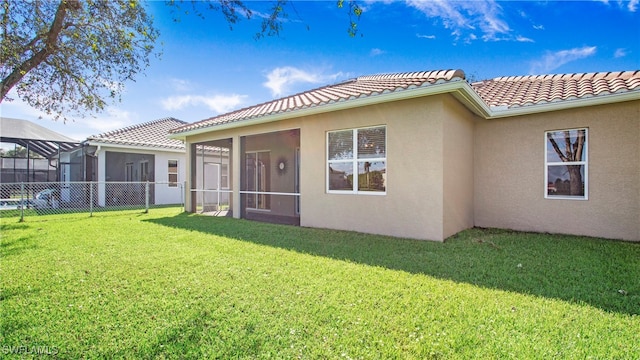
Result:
31,199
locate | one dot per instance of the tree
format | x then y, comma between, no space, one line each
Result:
19,152
573,152
71,56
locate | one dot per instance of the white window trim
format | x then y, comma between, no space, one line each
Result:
584,162
354,161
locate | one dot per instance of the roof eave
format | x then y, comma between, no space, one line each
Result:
134,147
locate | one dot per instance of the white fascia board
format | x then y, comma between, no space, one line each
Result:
448,87
133,147
469,98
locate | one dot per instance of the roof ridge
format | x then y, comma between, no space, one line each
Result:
572,76
416,75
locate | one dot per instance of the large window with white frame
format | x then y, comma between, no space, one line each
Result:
357,161
566,164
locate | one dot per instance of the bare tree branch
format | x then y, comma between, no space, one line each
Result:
556,148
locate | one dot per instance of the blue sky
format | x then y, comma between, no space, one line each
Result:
207,69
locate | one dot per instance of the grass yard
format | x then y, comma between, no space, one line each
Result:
172,285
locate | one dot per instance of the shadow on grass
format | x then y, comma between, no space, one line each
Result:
15,246
596,272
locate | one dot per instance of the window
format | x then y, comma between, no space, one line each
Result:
173,173
357,161
566,164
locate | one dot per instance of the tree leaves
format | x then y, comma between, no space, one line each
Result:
63,58
69,57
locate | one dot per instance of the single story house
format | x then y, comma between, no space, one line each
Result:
425,155
144,152
134,154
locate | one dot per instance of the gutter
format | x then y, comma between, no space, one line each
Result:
133,148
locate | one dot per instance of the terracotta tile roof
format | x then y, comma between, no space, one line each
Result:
149,134
516,91
501,92
361,87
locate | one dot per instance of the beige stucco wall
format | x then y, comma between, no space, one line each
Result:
412,206
458,173
509,173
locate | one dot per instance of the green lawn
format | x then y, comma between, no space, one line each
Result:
172,285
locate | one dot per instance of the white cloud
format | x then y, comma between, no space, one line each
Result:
620,53
180,85
520,38
282,79
538,27
464,16
554,60
78,128
631,5
376,52
111,119
426,36
218,103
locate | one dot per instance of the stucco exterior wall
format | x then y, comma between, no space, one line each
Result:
458,173
509,173
412,205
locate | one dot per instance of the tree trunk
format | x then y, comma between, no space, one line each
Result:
575,180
